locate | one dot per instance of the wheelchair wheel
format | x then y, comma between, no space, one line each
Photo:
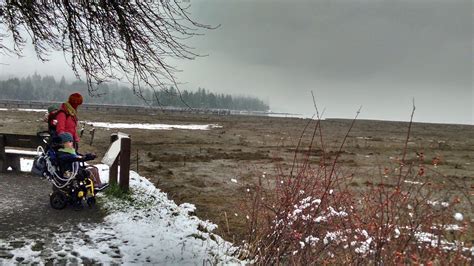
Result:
58,200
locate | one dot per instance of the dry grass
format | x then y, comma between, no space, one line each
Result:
313,215
205,180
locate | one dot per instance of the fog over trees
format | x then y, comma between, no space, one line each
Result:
46,88
104,40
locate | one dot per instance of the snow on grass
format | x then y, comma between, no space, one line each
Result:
413,182
166,232
32,110
434,203
458,217
24,110
152,126
146,228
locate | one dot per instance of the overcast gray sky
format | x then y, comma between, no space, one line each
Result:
378,54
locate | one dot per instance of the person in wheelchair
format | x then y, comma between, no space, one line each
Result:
67,156
72,181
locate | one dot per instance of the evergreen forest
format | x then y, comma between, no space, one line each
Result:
46,88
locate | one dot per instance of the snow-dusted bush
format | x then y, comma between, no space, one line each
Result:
313,216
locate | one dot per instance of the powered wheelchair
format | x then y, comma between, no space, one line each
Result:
70,187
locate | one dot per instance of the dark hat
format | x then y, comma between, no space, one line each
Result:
53,107
66,137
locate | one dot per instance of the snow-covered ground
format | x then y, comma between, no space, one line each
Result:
24,110
148,229
152,126
129,125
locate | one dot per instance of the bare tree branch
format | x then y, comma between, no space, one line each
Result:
105,39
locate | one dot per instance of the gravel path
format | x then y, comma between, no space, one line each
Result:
26,218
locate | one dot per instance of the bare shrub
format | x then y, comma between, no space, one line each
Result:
314,217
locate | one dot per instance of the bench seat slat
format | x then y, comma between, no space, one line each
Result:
22,152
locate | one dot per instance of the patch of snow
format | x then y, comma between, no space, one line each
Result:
448,227
24,110
302,244
305,200
434,203
311,240
233,180
152,126
26,252
336,213
365,247
330,236
148,229
397,233
32,110
458,216
425,237
320,219
413,182
316,201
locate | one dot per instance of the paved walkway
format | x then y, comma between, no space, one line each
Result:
25,215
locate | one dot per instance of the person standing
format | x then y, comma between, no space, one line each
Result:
67,120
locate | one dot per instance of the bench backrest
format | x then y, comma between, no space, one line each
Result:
16,141
20,141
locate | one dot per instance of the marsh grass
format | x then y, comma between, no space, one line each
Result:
314,215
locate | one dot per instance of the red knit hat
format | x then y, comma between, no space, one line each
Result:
75,99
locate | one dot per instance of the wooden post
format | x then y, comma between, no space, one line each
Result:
113,171
92,132
82,131
125,147
137,160
13,160
3,158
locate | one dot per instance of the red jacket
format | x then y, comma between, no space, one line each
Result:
67,123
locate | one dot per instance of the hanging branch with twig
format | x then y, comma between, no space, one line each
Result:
105,40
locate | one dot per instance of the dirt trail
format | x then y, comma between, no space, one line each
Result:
25,214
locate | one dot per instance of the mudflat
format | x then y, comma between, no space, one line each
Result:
212,168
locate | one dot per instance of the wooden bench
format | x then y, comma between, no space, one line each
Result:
11,157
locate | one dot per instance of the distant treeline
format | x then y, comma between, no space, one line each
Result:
46,88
